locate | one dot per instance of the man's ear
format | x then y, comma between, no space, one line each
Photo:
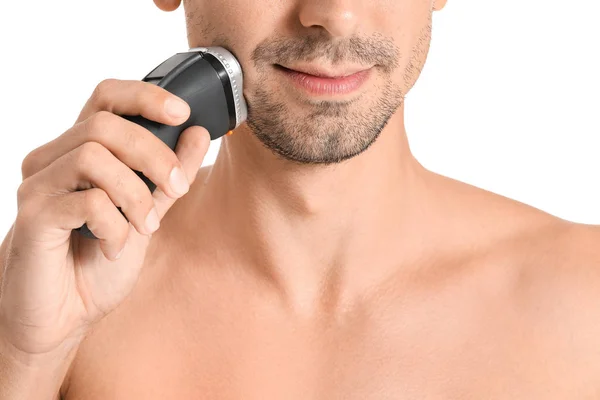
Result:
168,5
439,4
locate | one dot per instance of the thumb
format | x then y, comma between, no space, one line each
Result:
191,149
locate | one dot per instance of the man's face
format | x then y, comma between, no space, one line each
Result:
389,37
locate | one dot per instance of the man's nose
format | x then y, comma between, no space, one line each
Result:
339,18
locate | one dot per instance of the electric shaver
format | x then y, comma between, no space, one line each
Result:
210,80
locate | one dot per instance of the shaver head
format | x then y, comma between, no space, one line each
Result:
233,69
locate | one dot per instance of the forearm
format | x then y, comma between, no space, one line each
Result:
31,378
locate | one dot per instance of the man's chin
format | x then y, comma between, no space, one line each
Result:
314,144
322,131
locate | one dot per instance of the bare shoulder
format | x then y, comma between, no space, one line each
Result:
546,271
562,261
557,294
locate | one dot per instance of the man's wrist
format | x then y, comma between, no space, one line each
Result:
31,376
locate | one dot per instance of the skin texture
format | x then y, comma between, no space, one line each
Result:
317,259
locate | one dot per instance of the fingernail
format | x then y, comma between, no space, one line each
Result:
179,182
176,108
152,222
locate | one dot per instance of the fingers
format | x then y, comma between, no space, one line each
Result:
82,176
88,183
131,143
39,216
93,165
131,97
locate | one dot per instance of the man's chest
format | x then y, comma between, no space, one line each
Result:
234,343
251,364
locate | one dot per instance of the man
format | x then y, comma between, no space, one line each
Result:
317,259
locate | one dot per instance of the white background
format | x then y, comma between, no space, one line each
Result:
508,100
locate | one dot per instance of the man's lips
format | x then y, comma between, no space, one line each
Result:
322,72
319,82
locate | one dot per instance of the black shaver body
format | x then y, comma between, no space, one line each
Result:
210,80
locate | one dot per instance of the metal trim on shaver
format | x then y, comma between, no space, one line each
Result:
234,71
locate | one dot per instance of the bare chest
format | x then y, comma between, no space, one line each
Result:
235,344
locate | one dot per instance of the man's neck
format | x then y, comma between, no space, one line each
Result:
308,228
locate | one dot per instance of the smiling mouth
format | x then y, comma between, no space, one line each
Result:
321,84
315,70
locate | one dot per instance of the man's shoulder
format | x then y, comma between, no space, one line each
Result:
561,253
556,290
556,262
